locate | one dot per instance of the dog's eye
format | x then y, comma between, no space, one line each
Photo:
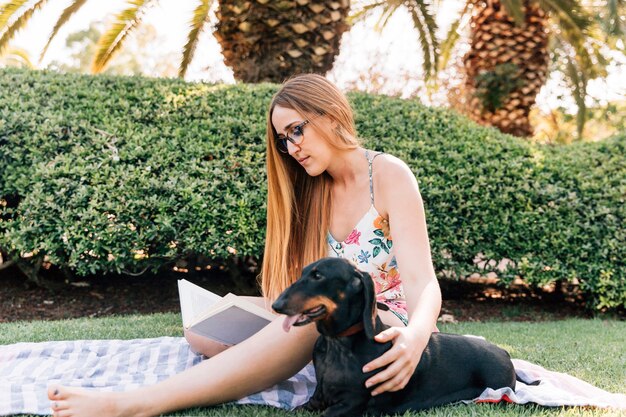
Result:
317,275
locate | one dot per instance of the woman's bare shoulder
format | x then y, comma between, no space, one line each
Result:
391,168
394,182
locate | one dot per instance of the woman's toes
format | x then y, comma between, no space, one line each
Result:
54,392
59,405
62,413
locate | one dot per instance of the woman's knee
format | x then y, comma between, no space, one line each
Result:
259,301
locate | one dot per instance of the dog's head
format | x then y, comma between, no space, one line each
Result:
334,294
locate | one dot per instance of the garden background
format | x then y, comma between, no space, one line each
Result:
111,187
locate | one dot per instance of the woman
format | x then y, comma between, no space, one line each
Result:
320,182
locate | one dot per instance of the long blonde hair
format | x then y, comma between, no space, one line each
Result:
298,205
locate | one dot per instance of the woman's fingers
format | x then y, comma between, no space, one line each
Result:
382,361
400,361
396,365
387,335
397,382
401,385
389,356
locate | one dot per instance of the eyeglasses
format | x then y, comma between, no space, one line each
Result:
295,135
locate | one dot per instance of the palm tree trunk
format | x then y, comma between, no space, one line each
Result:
506,66
270,40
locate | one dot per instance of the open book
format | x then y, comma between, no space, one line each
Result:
227,320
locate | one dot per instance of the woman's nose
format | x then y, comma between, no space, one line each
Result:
291,148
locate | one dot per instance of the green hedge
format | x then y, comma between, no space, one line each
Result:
110,174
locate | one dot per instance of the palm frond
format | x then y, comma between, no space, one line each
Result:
573,26
364,12
577,75
570,11
426,28
451,39
7,10
65,16
200,17
388,11
615,23
579,47
18,56
514,9
431,26
18,23
112,40
579,83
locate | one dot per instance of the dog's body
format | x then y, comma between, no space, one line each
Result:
340,299
452,368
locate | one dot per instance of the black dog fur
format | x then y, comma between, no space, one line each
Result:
340,299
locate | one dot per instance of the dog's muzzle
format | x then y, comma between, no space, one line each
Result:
305,317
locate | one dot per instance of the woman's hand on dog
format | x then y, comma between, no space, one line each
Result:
402,359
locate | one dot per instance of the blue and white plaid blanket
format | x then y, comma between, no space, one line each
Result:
26,370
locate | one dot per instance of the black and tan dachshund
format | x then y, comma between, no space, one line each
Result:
340,299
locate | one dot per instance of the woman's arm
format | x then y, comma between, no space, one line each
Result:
400,198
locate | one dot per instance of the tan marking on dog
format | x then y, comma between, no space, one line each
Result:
374,313
313,302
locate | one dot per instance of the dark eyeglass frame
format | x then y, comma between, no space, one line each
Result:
281,140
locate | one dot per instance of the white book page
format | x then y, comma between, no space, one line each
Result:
230,300
194,301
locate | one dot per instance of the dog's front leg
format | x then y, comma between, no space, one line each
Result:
347,403
315,403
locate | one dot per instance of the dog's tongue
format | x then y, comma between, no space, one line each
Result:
289,321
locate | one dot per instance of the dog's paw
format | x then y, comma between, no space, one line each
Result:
307,406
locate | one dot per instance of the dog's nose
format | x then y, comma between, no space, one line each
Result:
279,305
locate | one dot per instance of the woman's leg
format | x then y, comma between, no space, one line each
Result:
266,358
260,301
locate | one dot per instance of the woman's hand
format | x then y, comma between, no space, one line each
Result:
402,359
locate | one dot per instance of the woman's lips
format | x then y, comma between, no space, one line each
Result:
303,160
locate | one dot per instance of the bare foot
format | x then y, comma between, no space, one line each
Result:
78,402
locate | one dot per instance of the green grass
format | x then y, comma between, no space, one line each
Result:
593,350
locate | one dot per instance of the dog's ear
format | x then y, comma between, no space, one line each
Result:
369,304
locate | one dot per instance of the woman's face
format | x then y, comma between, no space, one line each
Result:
313,152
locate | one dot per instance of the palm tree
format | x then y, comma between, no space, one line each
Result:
262,40
517,34
511,42
507,64
268,40
16,57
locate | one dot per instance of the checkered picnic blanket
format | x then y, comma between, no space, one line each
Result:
26,370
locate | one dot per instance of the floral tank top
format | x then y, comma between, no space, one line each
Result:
370,247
